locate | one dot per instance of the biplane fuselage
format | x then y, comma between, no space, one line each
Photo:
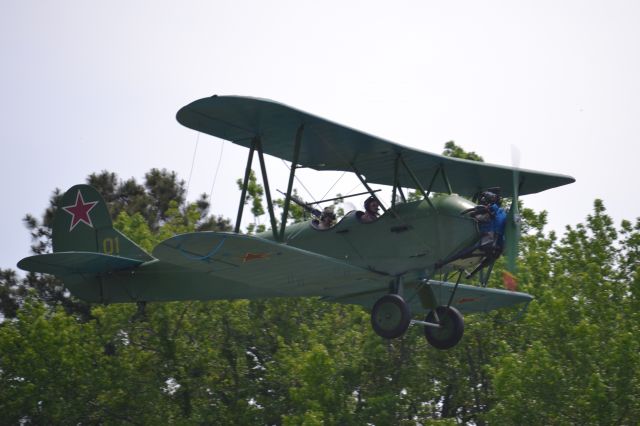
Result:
405,241
408,239
388,265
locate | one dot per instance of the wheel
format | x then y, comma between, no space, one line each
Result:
390,316
451,331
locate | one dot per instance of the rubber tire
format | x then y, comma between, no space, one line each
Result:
452,328
390,316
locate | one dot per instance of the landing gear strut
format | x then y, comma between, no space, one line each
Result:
390,316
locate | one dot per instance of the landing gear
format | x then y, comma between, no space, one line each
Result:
390,316
444,327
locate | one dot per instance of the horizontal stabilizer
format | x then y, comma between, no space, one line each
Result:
79,262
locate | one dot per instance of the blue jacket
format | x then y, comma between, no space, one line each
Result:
497,223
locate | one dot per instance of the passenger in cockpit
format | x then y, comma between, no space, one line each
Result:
371,206
327,218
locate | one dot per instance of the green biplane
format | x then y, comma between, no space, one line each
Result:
388,266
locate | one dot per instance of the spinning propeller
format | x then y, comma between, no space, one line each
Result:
512,228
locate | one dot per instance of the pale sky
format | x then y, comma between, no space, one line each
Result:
90,86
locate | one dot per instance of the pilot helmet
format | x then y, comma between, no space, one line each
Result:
489,197
370,200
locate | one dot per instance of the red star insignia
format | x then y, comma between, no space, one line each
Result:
80,211
253,256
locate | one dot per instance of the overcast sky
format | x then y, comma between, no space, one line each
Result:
88,86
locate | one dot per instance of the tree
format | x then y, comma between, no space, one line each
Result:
10,293
450,150
579,363
455,151
571,358
255,192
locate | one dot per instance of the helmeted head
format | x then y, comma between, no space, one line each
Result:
490,196
328,214
372,205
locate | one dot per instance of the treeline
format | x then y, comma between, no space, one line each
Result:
572,358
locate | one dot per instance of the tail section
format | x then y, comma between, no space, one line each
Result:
87,248
82,224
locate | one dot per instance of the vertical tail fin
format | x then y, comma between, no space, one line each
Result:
82,223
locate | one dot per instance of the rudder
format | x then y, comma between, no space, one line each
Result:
82,223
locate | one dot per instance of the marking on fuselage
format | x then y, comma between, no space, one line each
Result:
399,229
253,256
418,255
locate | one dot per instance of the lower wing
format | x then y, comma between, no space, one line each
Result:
425,296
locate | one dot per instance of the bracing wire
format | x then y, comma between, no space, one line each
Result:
334,184
215,176
300,182
353,189
193,161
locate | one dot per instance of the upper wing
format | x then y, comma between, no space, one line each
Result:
330,146
266,267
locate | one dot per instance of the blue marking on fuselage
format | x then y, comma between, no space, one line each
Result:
206,256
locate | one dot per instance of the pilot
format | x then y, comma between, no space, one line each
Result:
371,206
327,218
492,220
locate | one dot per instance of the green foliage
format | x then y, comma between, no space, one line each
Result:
255,191
296,212
152,199
572,358
455,151
137,229
10,292
450,150
579,362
